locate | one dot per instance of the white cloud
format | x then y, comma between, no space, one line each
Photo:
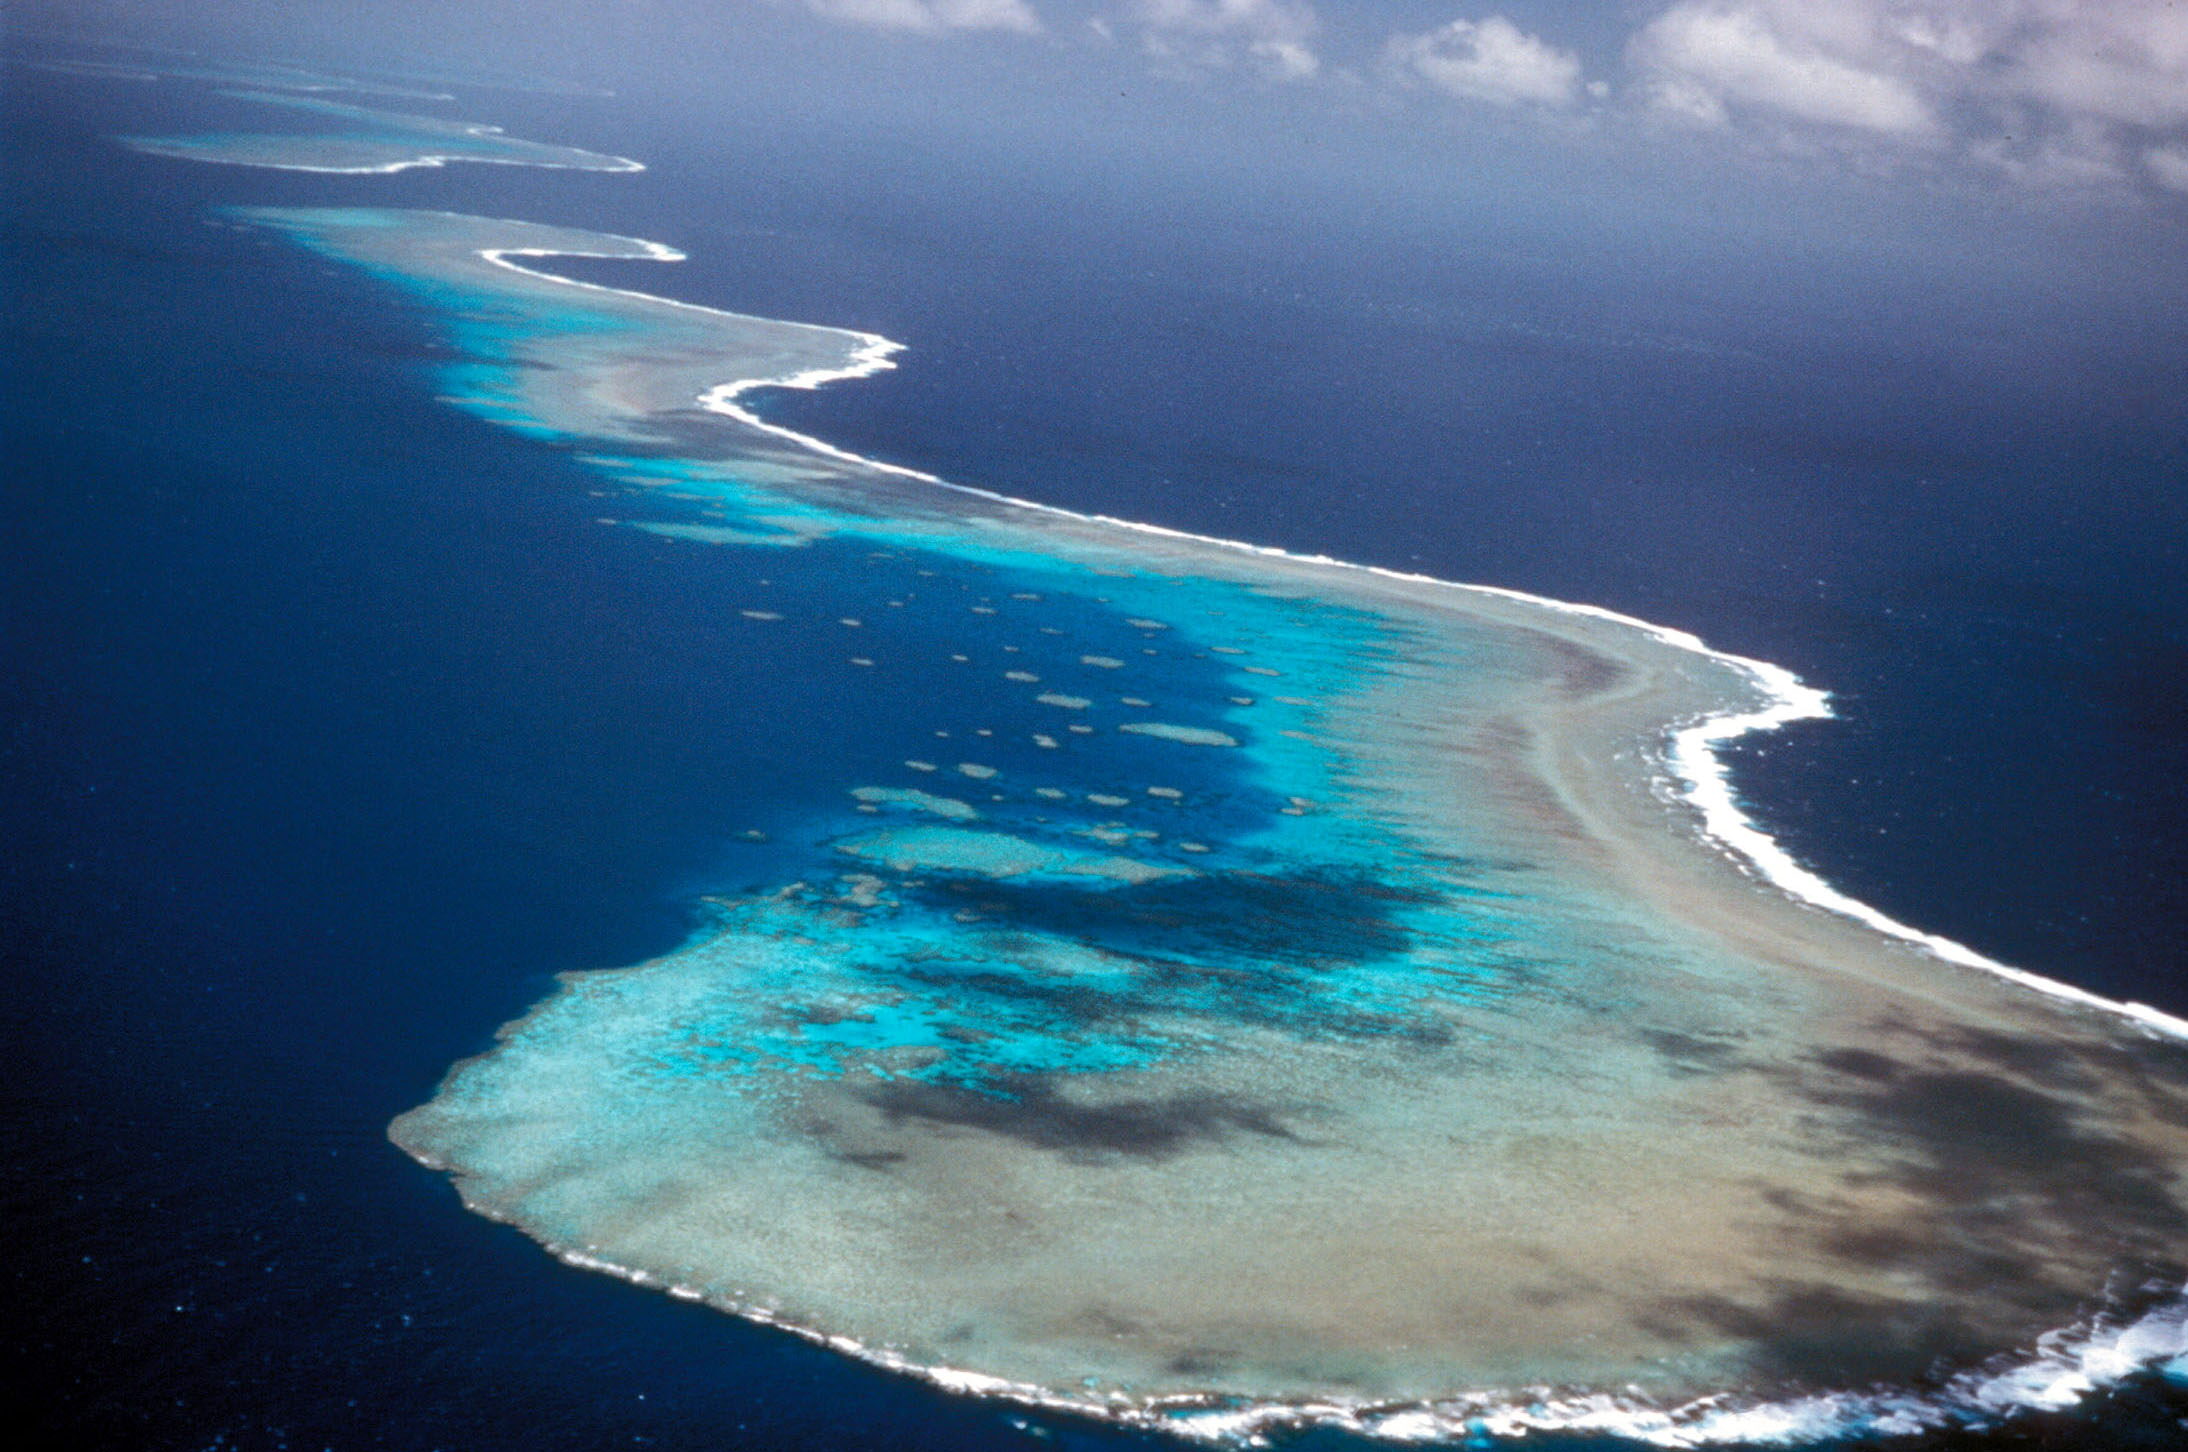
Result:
2124,62
1706,60
2168,166
2046,90
930,17
1490,60
1289,60
1274,35
2043,92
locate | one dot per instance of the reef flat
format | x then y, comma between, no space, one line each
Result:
246,75
365,139
1266,988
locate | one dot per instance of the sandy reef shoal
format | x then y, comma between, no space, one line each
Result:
1737,1143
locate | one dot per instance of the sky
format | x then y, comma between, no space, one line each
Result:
2062,95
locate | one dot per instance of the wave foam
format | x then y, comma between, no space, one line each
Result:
2063,1369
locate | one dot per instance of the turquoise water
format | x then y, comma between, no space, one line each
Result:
1130,839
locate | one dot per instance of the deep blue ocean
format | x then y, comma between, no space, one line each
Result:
336,726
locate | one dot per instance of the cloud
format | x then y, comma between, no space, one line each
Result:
1706,60
2168,166
931,17
2125,62
1273,35
1490,60
2041,92
2044,90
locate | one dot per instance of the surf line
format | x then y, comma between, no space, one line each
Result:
1703,782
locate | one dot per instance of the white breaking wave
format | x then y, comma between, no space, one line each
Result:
2064,1367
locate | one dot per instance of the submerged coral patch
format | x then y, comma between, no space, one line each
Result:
1186,735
